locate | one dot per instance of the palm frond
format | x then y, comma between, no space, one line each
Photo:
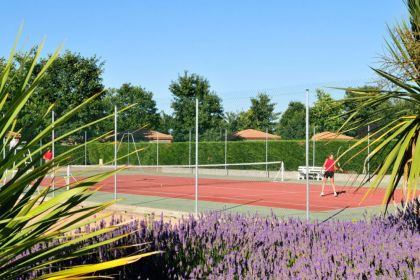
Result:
29,215
400,137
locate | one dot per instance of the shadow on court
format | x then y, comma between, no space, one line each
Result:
237,206
331,194
335,214
162,199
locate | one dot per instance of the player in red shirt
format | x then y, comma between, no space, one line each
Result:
329,168
48,155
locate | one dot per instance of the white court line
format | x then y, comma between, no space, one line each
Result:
228,188
243,189
262,192
236,199
240,189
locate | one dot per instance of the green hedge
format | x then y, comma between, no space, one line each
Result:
292,152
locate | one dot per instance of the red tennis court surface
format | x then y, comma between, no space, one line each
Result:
268,194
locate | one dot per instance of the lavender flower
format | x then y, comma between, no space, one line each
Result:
233,246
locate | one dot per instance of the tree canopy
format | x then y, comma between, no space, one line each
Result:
143,114
73,77
292,121
261,116
324,114
261,113
185,90
69,80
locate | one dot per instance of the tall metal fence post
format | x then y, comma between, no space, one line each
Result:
189,150
226,169
307,155
115,150
196,156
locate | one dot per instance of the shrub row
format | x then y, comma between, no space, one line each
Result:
232,246
292,153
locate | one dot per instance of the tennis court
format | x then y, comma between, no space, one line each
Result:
235,187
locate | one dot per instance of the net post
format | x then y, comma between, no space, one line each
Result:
85,148
115,150
307,154
196,156
282,171
53,150
68,177
313,149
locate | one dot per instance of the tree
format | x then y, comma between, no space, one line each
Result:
259,116
261,113
71,79
165,123
21,64
236,121
232,122
244,120
142,115
185,90
292,121
68,81
325,113
398,137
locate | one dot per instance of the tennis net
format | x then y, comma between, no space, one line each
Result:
254,171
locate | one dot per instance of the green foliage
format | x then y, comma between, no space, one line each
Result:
292,121
261,113
185,90
324,112
166,123
402,58
30,216
260,116
142,114
366,115
68,82
398,133
233,122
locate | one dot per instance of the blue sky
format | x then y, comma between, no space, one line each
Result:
241,47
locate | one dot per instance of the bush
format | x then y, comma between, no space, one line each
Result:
233,246
292,152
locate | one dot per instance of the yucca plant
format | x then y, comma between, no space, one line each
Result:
399,138
29,214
